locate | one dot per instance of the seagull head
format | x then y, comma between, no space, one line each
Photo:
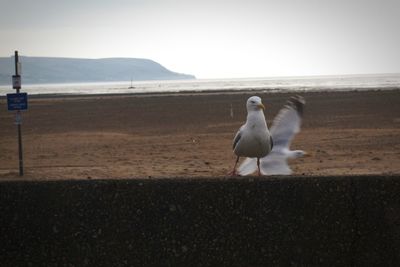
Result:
254,104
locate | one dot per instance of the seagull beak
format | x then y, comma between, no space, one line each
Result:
306,154
261,106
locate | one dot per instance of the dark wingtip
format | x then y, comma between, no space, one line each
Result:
297,102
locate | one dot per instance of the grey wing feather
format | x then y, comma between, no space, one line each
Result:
237,137
287,123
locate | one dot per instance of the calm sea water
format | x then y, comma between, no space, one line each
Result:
317,83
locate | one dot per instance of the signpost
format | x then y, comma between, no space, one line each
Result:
18,102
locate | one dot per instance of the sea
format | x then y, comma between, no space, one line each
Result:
272,84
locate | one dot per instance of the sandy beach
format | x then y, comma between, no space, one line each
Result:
190,135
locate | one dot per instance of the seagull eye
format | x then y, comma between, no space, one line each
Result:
253,102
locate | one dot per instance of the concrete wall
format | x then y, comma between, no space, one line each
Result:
297,221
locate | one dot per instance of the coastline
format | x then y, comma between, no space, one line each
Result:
299,84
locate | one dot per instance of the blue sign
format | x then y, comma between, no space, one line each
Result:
17,101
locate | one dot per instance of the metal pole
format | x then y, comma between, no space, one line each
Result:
21,162
16,65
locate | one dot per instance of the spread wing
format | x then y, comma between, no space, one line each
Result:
287,123
272,164
275,164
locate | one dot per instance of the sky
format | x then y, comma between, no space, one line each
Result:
212,38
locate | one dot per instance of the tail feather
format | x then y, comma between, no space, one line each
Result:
248,166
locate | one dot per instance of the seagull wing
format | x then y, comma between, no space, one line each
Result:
237,137
275,164
248,166
287,123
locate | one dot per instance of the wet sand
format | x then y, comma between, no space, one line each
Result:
190,135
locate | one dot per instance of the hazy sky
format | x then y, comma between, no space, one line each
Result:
212,38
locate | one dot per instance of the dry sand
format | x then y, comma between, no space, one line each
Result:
190,135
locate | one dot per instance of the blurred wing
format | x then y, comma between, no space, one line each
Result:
287,123
248,166
274,164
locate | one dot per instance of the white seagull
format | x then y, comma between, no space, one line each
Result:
253,139
286,124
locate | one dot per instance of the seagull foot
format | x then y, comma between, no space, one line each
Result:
233,173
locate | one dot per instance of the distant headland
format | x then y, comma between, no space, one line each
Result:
41,70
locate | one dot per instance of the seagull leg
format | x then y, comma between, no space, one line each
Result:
233,173
258,165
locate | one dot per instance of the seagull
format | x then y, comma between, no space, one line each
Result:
286,124
253,139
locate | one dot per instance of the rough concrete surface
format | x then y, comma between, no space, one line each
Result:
289,221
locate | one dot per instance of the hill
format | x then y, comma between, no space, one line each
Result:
38,70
